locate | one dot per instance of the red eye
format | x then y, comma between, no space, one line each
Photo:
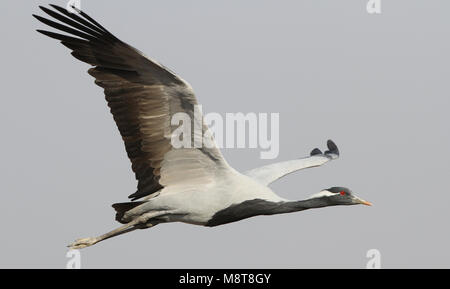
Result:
342,193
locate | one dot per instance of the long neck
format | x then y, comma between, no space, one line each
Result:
257,207
295,206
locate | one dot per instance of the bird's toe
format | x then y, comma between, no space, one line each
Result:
82,243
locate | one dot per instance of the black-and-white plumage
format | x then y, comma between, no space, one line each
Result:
270,173
190,185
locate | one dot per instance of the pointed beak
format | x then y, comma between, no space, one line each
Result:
363,202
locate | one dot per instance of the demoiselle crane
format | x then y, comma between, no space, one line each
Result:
190,185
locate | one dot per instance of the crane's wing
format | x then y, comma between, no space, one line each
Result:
270,173
143,96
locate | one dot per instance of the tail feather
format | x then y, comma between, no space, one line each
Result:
122,208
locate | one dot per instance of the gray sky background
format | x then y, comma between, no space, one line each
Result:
376,84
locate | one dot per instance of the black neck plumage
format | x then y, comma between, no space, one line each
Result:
258,207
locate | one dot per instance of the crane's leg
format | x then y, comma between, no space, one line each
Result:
140,222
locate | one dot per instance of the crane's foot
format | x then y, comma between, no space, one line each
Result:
83,243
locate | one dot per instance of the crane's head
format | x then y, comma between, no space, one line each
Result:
340,196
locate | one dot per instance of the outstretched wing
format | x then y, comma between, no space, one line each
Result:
270,173
143,96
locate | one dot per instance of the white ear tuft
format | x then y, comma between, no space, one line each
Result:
324,193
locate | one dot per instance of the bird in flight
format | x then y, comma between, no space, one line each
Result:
193,185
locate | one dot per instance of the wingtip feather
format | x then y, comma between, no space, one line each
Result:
315,152
332,147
